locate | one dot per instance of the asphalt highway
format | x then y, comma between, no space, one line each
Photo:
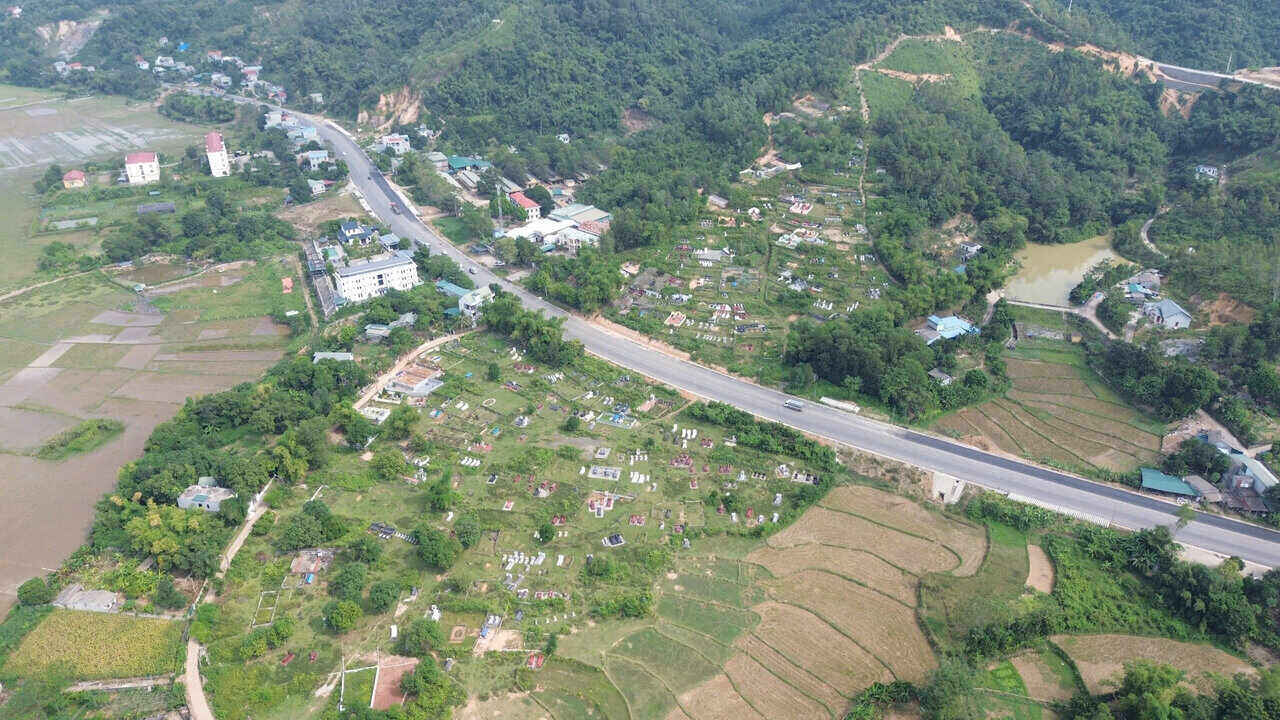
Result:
1063,492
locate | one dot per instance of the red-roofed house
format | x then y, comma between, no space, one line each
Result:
142,168
216,150
73,179
532,210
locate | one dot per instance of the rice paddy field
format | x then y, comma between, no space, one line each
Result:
86,349
98,645
1059,412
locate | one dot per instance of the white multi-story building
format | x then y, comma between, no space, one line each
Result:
216,150
370,277
142,168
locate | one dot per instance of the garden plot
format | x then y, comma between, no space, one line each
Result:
829,527
1101,658
885,628
900,513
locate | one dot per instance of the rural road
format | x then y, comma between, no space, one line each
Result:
1060,491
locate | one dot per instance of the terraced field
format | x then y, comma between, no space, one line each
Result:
797,626
1058,412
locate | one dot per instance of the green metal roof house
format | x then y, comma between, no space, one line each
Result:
1153,479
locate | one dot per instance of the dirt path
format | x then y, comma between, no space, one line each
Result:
196,700
15,293
401,364
1040,569
1143,234
121,684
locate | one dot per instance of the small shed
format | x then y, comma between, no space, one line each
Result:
1208,492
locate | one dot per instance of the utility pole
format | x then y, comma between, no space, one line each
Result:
1230,56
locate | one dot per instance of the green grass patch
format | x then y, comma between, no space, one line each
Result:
647,697
572,689
257,294
88,435
1004,679
952,605
358,688
923,57
722,623
98,645
680,666
885,95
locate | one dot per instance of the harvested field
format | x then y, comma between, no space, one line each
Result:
764,691
1088,404
1122,430
1045,682
828,527
1048,385
1058,410
810,643
716,699
969,542
884,628
1033,444
796,676
1087,438
1101,658
1019,368
1040,572
855,564
991,431
514,705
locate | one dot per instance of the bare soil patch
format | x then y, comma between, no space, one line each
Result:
332,207
1101,658
1040,574
1226,310
387,692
